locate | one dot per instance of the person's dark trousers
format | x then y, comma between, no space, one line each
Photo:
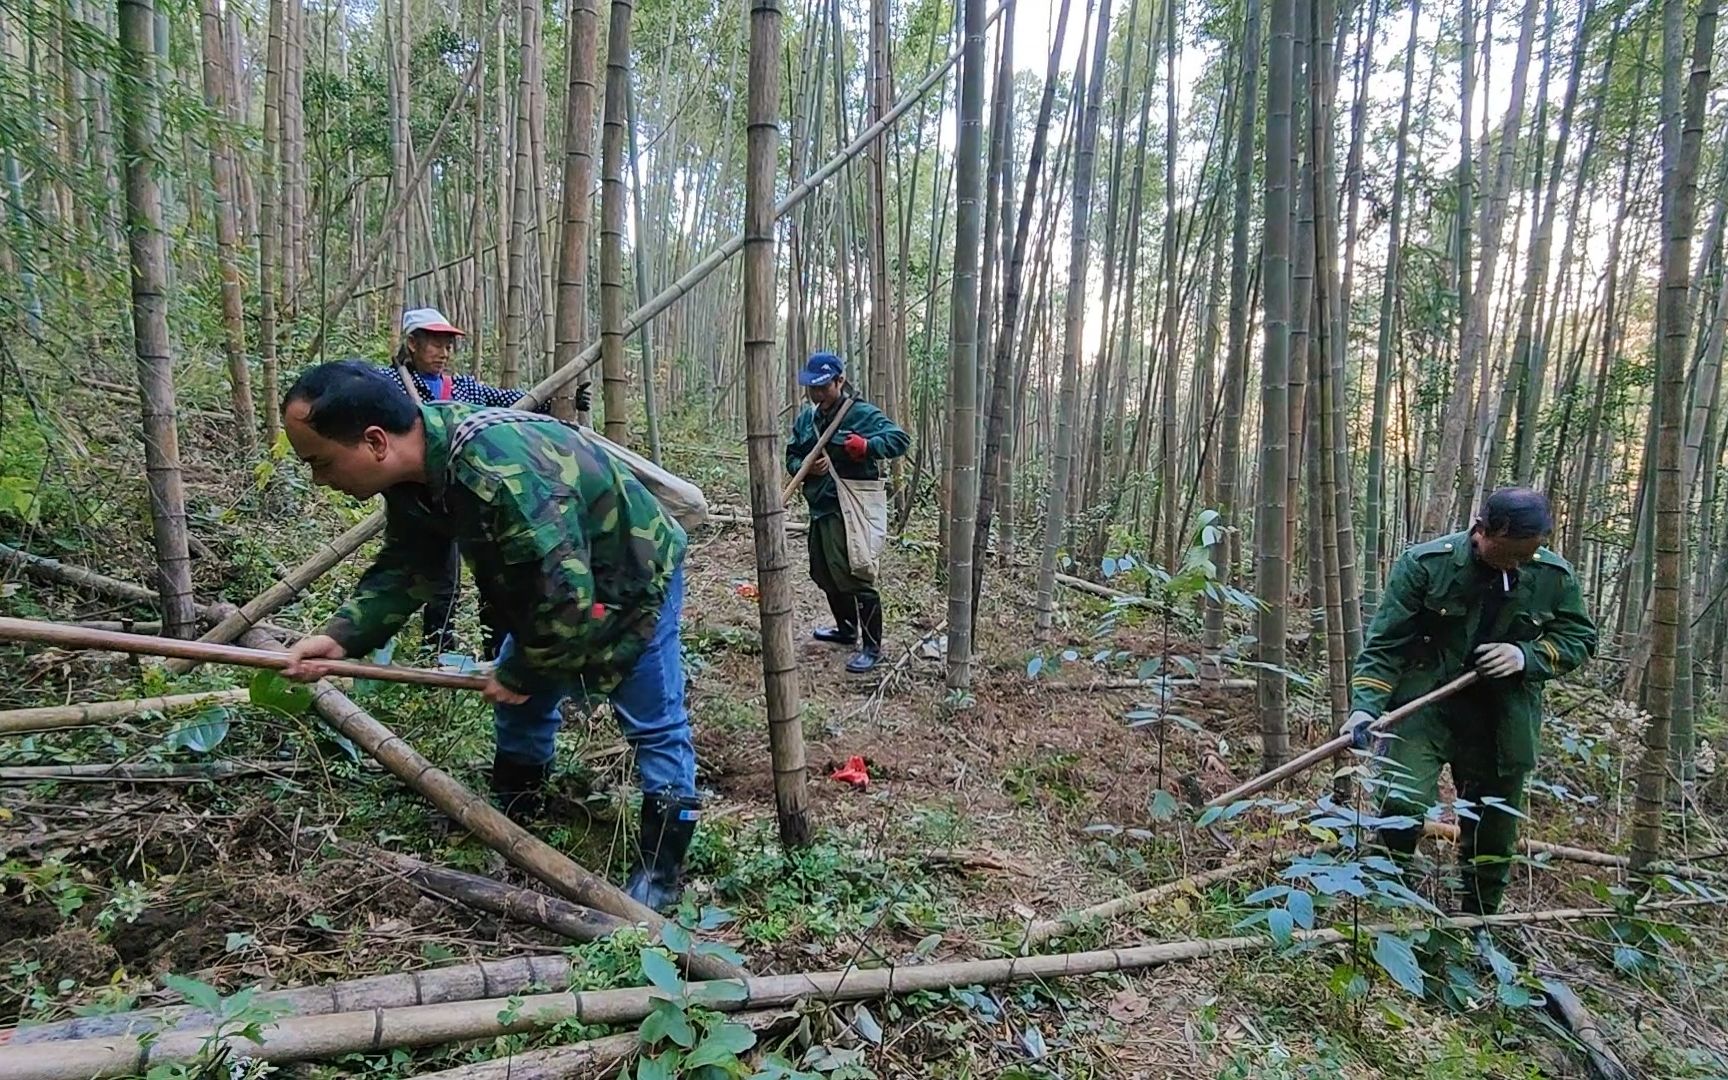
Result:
854,601
438,619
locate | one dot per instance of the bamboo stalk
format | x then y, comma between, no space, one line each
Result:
821,446
59,573
76,637
480,817
154,626
595,1057
1332,747
496,898
279,595
1444,831
150,771
55,717
377,1029
460,982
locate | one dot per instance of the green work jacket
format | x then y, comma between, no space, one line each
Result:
884,437
1430,615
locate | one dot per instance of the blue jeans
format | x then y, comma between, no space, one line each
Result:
649,704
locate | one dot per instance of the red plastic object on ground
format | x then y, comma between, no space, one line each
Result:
854,772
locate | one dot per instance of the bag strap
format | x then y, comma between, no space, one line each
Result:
476,422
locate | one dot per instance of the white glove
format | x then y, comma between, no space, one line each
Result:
1357,728
1499,660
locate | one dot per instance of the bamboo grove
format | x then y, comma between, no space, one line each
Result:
1333,270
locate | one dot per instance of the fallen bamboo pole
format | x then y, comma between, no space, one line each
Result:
75,637
377,1030
595,1057
1102,591
480,817
461,982
59,573
147,771
1565,1005
1331,748
56,717
281,594
1446,831
561,917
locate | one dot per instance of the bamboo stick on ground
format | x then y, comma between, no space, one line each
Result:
59,573
377,1030
281,594
75,637
494,897
147,771
461,982
1448,832
480,817
596,1057
56,717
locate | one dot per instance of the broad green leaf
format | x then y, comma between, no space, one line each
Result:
1278,921
675,938
664,1067
1164,805
660,971
722,1045
203,995
719,950
268,690
1347,982
667,1022
203,734
1034,666
1397,956
1301,908
719,991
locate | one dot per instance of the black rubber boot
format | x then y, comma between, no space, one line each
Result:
845,628
518,786
869,653
668,825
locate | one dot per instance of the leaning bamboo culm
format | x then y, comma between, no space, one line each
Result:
58,573
459,982
480,817
55,717
377,1030
281,594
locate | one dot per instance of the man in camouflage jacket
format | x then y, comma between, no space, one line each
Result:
1495,599
580,563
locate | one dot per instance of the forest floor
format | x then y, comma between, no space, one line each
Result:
1039,795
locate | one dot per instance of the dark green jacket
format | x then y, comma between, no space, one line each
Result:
564,542
885,438
1431,614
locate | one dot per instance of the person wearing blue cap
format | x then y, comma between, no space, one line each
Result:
863,440
1494,600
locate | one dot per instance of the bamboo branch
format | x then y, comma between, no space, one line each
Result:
55,717
75,637
1329,749
379,1029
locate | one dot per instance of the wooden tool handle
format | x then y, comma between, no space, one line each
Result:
80,637
1341,743
821,445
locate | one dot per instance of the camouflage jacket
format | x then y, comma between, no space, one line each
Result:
564,542
1431,615
885,438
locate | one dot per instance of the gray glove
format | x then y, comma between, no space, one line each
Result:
1357,728
1499,660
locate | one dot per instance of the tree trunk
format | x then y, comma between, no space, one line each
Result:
139,126
571,327
1682,136
400,120
1272,581
1079,255
269,231
227,232
963,348
614,378
1172,546
761,317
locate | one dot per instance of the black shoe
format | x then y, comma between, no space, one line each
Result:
864,660
836,635
518,786
668,825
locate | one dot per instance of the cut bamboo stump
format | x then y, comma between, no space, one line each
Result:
376,1030
281,594
480,817
596,1057
462,982
56,717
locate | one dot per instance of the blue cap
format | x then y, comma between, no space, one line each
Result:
821,369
